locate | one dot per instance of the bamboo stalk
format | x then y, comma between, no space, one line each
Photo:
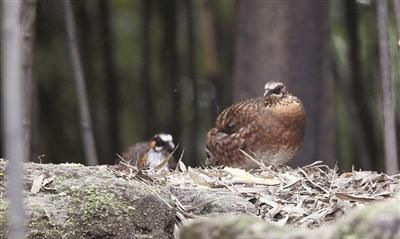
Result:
209,47
28,20
355,93
148,109
13,114
387,89
396,4
193,78
111,76
86,125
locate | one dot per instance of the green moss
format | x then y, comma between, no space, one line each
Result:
90,208
89,204
89,212
41,226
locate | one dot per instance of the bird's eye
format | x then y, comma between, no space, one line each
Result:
276,91
159,142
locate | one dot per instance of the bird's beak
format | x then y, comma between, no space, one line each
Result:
267,93
171,146
152,144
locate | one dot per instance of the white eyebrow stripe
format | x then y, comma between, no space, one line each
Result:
271,85
165,137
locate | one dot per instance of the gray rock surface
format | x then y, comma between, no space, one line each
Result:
73,201
377,221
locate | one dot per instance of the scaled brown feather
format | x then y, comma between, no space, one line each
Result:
269,128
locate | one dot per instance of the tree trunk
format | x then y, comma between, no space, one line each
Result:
86,125
13,113
387,89
288,41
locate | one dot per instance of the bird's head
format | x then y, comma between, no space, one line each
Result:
275,90
161,142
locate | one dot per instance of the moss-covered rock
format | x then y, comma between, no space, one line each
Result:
73,201
377,221
90,202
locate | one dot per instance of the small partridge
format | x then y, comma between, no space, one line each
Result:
150,154
270,129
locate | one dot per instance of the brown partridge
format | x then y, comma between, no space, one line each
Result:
270,129
150,154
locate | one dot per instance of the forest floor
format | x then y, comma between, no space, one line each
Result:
74,201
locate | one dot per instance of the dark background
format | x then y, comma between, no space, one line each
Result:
172,65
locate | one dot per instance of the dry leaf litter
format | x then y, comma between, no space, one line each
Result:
307,196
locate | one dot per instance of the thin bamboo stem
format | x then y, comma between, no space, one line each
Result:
86,125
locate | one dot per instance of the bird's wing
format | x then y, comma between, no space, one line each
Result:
135,152
237,116
233,127
142,161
